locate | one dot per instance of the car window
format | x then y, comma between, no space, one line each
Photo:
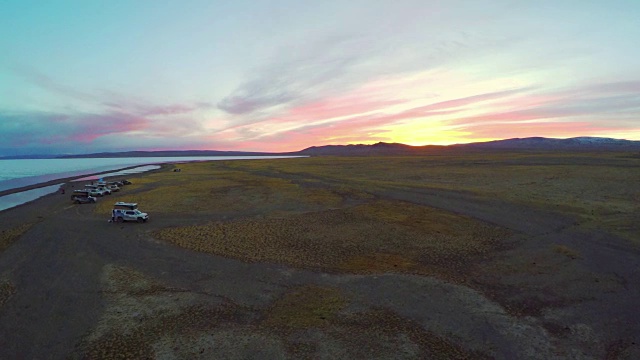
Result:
129,213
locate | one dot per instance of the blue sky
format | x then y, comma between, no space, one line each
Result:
87,76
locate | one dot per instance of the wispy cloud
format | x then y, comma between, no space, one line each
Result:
617,101
35,77
301,73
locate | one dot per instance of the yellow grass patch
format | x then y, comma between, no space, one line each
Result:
379,263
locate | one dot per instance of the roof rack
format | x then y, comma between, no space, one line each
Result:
126,205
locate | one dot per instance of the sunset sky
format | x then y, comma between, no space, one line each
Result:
87,76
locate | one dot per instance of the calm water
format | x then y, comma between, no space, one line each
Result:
25,172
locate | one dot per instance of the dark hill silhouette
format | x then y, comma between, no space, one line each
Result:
587,143
382,148
525,144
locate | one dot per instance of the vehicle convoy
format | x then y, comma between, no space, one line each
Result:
127,212
82,197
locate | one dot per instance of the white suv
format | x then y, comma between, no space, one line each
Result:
98,190
128,212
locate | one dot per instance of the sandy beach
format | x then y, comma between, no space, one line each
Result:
327,257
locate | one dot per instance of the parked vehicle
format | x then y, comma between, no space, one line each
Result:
82,197
128,212
101,191
113,188
125,182
91,192
130,215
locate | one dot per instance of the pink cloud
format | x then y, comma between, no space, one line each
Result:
336,107
66,130
546,129
470,100
90,127
142,108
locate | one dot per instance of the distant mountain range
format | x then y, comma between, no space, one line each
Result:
382,148
584,142
524,144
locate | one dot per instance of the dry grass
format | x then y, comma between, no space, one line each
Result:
602,189
7,290
386,335
139,311
566,251
203,187
305,307
9,236
375,237
376,333
144,319
319,212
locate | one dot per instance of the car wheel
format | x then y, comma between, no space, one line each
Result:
120,220
77,201
140,220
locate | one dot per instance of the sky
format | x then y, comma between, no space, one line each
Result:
282,75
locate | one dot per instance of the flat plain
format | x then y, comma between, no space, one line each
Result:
467,256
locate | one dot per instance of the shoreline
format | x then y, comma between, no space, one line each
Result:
64,183
151,162
64,180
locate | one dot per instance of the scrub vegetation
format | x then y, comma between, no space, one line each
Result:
145,319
